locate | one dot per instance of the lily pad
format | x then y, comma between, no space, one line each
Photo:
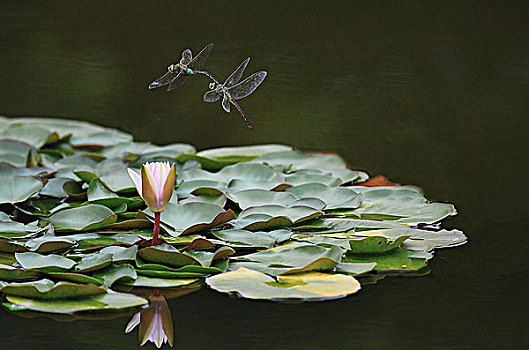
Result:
292,259
11,273
45,263
192,217
92,241
243,238
407,210
120,254
334,197
151,282
253,198
47,289
398,261
268,217
108,301
355,269
15,189
87,217
243,152
93,262
115,273
74,277
307,286
294,160
167,255
48,243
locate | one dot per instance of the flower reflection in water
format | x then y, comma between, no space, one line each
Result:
155,321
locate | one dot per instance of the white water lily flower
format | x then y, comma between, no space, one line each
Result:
155,185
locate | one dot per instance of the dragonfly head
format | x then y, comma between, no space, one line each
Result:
211,86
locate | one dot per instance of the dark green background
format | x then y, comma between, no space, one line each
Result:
428,93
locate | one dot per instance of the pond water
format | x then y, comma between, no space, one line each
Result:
426,94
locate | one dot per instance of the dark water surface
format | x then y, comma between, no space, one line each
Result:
430,94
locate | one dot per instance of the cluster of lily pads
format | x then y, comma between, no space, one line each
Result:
263,222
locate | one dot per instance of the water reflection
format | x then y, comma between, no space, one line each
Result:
156,324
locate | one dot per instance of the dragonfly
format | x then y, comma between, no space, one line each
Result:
232,90
177,73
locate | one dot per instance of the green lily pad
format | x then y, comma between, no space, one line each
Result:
15,189
334,197
121,254
243,238
307,286
91,241
74,277
291,259
207,258
32,135
93,262
219,200
398,261
277,185
163,271
200,187
253,198
96,190
143,281
242,153
11,273
84,218
295,160
115,273
45,263
11,246
429,240
401,204
355,269
167,255
192,217
268,217
48,243
47,289
103,302
54,187
303,177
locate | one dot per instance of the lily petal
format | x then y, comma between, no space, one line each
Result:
168,187
136,179
134,321
149,189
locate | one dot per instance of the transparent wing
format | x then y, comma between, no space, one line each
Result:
200,59
211,96
163,80
247,86
226,103
237,74
177,82
187,56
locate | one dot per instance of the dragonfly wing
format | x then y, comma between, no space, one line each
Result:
200,59
177,82
247,86
163,80
211,96
187,56
226,103
237,74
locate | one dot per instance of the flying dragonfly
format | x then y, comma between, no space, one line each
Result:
177,73
233,90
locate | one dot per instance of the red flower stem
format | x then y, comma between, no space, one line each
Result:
156,228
